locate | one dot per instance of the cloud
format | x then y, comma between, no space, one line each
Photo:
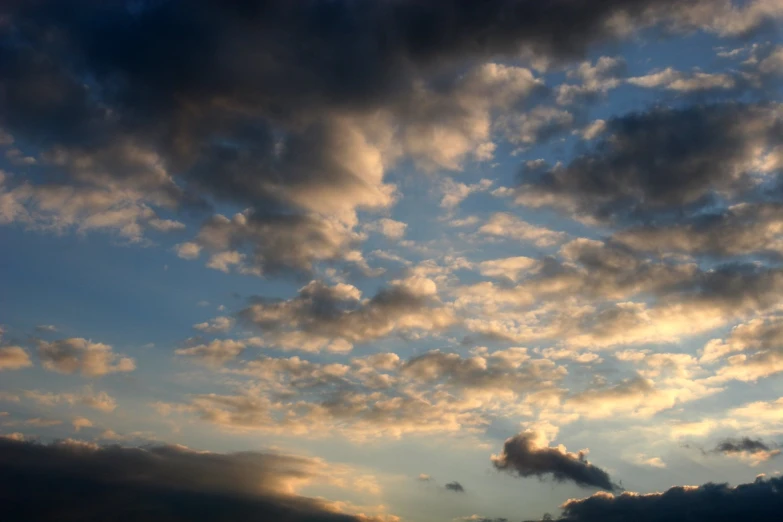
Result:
454,192
100,401
388,227
215,353
633,173
47,328
81,422
503,224
509,267
741,229
753,450
217,325
759,500
595,79
14,358
758,342
374,396
674,80
336,317
80,355
539,124
523,455
254,243
163,482
455,486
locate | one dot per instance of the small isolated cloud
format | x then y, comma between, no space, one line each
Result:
423,477
388,227
14,358
653,462
745,448
45,328
81,422
86,357
455,486
525,455
216,325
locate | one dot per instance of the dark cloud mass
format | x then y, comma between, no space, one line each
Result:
81,482
455,486
260,102
760,500
744,444
523,457
660,164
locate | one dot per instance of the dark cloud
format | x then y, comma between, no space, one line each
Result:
660,164
522,456
245,99
80,481
759,500
455,486
744,445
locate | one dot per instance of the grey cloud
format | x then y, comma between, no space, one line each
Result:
742,229
76,354
659,164
269,104
522,456
759,500
335,317
744,444
165,483
455,486
261,244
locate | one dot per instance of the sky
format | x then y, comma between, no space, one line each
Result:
391,260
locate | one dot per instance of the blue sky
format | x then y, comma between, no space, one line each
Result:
537,256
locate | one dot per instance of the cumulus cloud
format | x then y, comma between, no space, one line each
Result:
526,456
388,227
741,229
215,353
379,395
217,325
633,173
510,267
752,350
14,358
80,355
164,482
596,79
81,422
254,243
336,317
277,115
454,192
505,225
100,401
